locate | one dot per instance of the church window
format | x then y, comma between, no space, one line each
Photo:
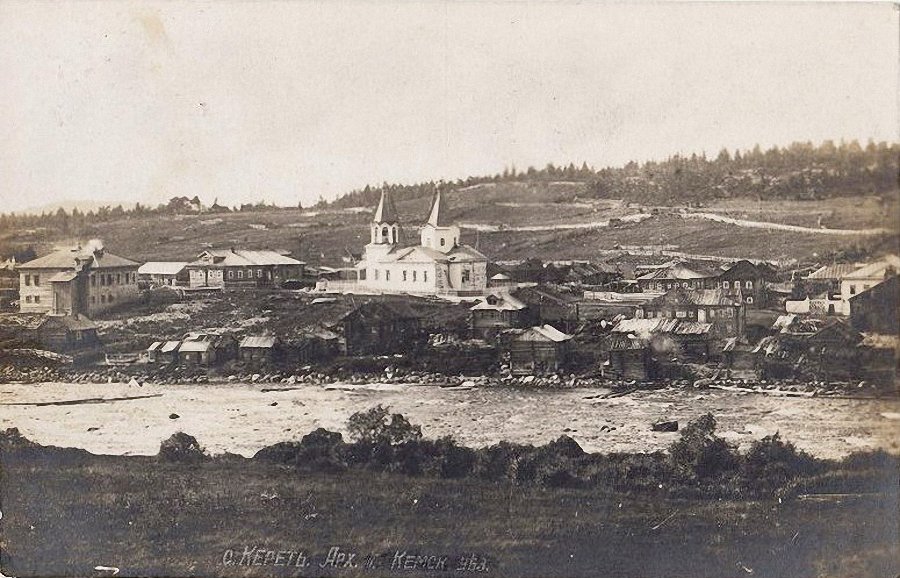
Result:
387,274
376,274
404,274
443,241
425,276
414,275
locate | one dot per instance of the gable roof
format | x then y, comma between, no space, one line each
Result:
66,258
677,271
833,272
701,297
875,270
244,258
502,302
162,267
258,342
542,333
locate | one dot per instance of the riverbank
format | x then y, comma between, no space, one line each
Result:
240,417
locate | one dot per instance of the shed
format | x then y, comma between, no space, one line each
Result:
258,348
538,350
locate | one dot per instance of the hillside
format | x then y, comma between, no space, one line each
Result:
800,203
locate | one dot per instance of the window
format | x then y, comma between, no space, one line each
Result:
387,274
103,299
442,241
681,314
711,313
27,280
259,273
37,280
725,284
414,275
110,299
37,298
376,274
404,275
240,273
28,299
853,290
748,284
118,278
465,276
425,276
231,274
749,300
93,280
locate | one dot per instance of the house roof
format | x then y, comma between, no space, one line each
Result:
419,254
875,270
169,346
162,267
678,271
66,258
644,328
22,320
836,271
542,333
195,346
503,302
258,342
73,322
243,258
155,345
702,297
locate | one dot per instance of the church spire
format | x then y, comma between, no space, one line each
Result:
438,215
386,212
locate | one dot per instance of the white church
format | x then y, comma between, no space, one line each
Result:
438,265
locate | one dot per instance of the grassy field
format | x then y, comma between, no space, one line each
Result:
66,511
325,236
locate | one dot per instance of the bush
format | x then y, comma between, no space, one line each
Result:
700,454
771,464
377,426
182,448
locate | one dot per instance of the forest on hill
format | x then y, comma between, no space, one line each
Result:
800,171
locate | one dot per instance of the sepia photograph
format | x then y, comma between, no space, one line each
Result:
425,288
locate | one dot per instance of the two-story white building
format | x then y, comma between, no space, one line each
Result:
438,265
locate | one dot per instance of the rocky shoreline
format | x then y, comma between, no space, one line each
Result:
180,375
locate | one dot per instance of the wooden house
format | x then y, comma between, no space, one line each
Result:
163,274
724,312
547,305
539,350
259,348
877,309
496,312
378,328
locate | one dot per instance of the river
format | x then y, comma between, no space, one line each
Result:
243,418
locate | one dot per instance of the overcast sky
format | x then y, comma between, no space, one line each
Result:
288,101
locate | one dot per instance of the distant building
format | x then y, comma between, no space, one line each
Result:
675,275
59,333
438,265
79,281
164,273
725,313
239,268
748,278
539,350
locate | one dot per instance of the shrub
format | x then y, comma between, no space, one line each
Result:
182,448
771,464
500,462
456,461
700,454
377,426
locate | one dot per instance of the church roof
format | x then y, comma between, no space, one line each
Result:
438,215
418,253
386,211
